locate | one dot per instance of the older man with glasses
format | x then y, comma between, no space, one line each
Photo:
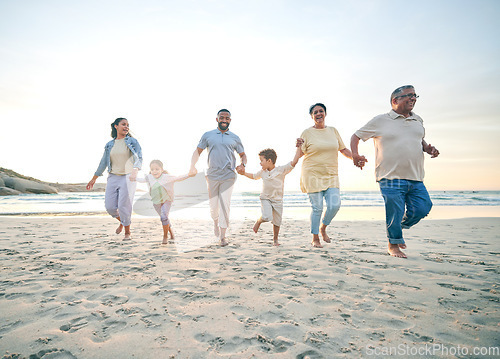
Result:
399,164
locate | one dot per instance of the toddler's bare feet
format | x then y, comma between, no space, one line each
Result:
119,229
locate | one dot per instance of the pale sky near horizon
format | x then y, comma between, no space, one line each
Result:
69,68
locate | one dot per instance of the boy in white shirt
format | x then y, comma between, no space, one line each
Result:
273,180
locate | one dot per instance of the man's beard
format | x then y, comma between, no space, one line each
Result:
223,126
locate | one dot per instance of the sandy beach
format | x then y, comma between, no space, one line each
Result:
71,288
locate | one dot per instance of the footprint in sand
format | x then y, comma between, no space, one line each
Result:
454,287
53,354
74,325
109,327
309,354
417,337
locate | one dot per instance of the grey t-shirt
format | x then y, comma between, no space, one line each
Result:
221,159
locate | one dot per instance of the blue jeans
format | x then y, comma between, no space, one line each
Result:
332,199
398,194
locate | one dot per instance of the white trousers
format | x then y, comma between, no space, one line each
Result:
219,193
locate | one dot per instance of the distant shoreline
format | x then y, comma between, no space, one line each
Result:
60,187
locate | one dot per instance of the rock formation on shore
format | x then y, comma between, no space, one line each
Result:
13,183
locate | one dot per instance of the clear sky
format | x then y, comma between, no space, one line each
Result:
69,68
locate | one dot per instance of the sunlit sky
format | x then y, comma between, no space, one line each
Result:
69,68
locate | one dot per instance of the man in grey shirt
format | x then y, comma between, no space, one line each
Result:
221,175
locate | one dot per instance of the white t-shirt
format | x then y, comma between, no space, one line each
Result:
273,181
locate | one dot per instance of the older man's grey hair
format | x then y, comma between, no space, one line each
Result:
399,90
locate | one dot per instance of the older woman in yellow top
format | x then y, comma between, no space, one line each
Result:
320,145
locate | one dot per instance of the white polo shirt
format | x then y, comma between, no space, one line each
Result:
398,145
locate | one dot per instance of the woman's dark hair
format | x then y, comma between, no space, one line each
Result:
316,104
116,122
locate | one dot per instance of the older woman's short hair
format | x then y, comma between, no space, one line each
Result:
316,104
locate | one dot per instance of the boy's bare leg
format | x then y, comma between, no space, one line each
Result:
276,231
120,227
323,233
166,229
257,224
223,241
315,242
171,232
127,233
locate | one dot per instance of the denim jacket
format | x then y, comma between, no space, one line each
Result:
134,147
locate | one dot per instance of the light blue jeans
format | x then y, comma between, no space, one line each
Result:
406,203
119,196
332,199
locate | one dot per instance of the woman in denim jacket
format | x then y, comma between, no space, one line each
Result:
123,158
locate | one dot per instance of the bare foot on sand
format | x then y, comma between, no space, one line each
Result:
256,226
119,229
165,240
315,243
275,243
127,237
393,250
324,235
223,242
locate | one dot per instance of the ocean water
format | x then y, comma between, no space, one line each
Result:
93,203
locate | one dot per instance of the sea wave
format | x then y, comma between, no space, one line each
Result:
86,202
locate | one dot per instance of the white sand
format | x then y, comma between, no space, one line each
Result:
70,285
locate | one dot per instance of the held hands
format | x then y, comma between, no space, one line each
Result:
359,161
192,172
300,142
431,150
240,169
133,175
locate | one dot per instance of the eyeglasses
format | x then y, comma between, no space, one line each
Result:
410,95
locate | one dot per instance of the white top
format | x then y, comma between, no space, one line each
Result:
273,181
121,158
